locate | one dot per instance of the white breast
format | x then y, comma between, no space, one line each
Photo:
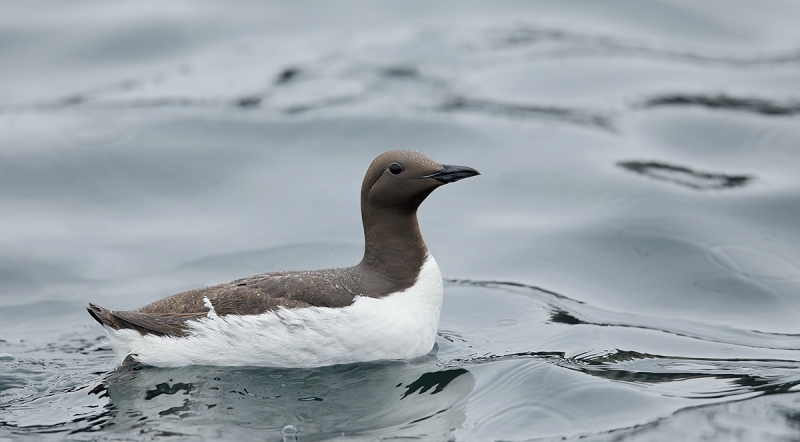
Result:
401,325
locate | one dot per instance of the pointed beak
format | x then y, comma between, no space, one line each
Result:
451,174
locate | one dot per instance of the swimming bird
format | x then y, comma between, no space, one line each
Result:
385,307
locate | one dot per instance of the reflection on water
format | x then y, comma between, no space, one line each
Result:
685,176
428,398
360,401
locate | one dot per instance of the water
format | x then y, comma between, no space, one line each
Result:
626,268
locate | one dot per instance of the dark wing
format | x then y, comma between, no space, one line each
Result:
168,324
266,292
250,296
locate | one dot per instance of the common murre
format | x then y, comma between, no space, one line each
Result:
385,307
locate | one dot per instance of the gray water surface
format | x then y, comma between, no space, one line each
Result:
625,268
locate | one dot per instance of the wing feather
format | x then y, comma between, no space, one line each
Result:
165,324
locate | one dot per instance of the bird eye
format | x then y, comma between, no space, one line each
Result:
395,168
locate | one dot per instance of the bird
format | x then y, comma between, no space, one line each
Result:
386,307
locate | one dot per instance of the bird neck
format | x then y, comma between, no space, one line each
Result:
393,244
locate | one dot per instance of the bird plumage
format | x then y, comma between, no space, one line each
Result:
385,307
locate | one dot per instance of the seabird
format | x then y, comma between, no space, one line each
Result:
385,307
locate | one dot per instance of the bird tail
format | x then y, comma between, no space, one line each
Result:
103,316
167,324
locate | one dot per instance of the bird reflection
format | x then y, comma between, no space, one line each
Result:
417,399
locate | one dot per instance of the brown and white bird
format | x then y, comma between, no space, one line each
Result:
385,307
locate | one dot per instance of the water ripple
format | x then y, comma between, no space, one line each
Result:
568,311
735,376
564,42
515,110
723,101
685,176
